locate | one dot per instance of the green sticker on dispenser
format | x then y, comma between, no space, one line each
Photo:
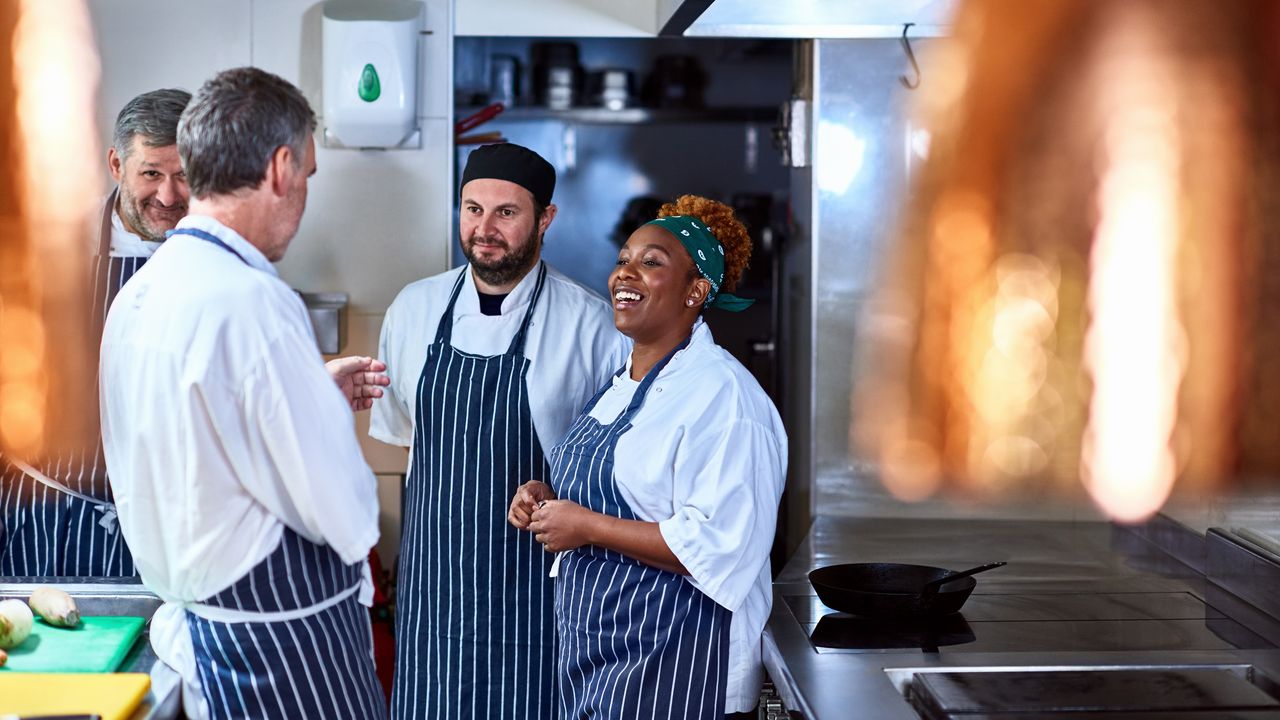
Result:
370,87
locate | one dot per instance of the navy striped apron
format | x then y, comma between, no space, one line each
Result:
319,665
474,632
59,517
635,641
309,661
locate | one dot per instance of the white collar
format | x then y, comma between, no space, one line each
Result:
251,255
124,243
469,298
700,334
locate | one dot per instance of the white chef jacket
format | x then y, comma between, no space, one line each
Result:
221,426
706,459
572,347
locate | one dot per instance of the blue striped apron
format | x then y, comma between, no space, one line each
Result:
474,632
317,664
290,639
59,518
635,641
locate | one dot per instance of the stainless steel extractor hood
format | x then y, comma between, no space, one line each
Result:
809,18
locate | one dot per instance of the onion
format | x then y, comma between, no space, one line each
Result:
15,623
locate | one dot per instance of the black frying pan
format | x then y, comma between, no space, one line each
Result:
892,590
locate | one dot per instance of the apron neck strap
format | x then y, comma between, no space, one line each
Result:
638,399
444,332
517,342
209,238
104,229
101,274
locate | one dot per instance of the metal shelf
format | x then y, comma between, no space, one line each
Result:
632,116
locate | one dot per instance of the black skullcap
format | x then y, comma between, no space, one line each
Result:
513,163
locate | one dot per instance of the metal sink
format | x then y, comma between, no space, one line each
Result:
326,311
97,599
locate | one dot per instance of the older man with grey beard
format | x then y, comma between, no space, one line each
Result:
144,162
239,481
58,513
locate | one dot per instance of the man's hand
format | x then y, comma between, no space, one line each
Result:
526,501
562,525
360,378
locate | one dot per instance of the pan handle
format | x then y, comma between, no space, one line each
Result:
484,115
932,586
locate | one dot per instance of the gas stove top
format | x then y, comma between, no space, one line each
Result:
1139,621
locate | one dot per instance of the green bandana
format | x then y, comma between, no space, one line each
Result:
708,256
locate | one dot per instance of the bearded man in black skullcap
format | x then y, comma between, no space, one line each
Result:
489,365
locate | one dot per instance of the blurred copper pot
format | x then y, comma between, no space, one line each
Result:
52,177
1089,268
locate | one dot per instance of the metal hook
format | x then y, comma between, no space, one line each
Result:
906,46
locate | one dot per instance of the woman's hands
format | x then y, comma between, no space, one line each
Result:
565,525
526,501
557,524
562,525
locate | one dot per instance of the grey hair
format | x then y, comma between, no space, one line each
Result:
236,122
153,116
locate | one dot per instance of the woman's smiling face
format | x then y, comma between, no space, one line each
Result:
652,285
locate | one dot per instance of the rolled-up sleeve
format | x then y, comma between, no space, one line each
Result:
723,526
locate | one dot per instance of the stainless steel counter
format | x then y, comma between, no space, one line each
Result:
107,597
1073,595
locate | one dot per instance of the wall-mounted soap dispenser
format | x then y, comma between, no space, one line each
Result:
370,52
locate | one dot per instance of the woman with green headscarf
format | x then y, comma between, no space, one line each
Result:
664,492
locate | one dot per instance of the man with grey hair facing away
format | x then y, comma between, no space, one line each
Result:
59,513
238,478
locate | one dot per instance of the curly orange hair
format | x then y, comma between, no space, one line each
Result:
731,233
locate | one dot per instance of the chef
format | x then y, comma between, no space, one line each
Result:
59,515
668,486
238,480
489,364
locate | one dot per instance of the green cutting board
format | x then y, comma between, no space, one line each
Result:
97,644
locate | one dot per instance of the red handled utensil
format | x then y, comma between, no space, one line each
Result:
479,117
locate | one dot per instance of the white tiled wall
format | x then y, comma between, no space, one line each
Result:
375,220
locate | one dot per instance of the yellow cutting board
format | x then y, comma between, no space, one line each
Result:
114,696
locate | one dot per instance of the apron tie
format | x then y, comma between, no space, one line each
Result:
108,520
263,637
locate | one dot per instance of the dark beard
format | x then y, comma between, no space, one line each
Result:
510,268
